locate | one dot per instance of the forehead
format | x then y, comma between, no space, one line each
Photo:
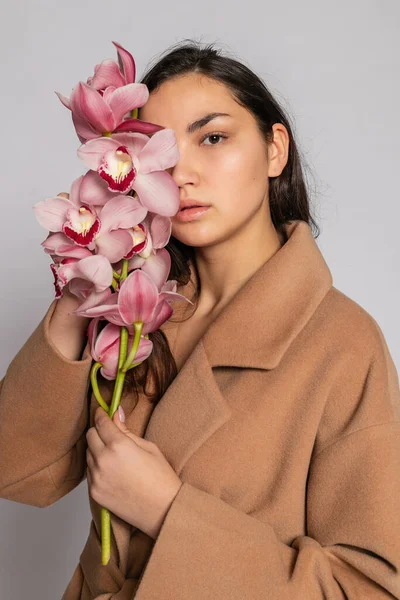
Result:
183,99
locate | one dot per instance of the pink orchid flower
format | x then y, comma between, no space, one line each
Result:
110,73
148,252
102,229
100,106
137,299
95,269
129,161
152,234
104,347
95,114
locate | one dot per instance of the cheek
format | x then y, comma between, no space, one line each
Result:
240,180
228,167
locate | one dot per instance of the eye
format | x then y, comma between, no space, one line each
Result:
215,134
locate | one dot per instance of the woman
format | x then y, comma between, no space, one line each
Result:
272,435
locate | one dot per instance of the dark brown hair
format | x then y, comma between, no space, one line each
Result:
288,195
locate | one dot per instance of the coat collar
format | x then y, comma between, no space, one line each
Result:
258,325
253,331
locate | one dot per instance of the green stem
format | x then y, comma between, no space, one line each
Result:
124,270
105,536
118,387
115,402
119,382
95,386
138,330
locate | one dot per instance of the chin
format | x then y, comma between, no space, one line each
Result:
201,239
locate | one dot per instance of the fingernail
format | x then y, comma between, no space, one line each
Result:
121,413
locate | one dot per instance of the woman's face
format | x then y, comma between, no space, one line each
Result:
222,163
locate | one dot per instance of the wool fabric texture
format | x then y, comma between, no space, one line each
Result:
283,425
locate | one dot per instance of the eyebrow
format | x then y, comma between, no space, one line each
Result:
204,120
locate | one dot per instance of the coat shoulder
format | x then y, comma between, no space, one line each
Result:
358,375
349,325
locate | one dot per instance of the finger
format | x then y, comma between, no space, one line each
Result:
63,195
94,441
90,459
106,428
139,441
89,476
144,444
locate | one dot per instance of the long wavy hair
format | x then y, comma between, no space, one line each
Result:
288,194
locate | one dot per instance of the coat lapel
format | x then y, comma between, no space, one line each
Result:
253,331
189,412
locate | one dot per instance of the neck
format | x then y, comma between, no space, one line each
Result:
224,268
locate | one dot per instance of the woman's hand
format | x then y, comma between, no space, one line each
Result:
129,475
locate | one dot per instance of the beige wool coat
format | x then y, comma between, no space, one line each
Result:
283,424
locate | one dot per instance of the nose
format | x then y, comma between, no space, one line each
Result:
184,171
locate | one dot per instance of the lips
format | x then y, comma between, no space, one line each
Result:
189,203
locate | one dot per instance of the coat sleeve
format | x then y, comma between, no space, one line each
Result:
43,419
208,549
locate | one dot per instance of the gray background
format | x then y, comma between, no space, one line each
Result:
335,67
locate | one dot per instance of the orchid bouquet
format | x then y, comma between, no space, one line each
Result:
107,240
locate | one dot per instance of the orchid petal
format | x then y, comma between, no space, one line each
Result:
135,142
80,287
135,262
94,190
95,299
146,249
107,311
81,225
140,240
110,357
144,350
106,338
92,335
92,107
126,63
74,192
110,360
83,129
64,100
138,126
173,296
92,151
107,73
161,152
114,244
96,269
158,192
59,243
51,213
158,266
160,230
162,313
122,212
108,92
169,286
54,240
126,98
106,349
117,168
138,296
